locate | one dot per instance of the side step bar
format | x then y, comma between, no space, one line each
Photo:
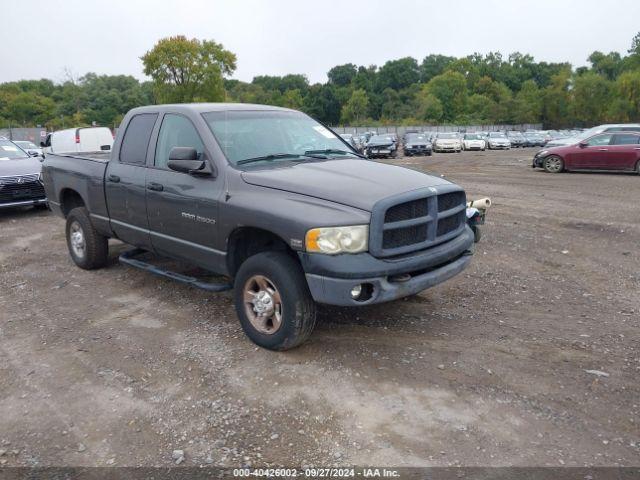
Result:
128,258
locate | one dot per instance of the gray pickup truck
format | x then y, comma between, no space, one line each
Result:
270,199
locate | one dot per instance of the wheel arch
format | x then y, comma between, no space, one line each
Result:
246,241
70,199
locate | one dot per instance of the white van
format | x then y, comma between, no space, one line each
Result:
79,140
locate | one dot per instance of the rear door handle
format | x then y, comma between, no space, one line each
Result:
114,178
156,187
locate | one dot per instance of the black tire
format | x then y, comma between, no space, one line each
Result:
553,164
429,153
638,168
95,251
298,313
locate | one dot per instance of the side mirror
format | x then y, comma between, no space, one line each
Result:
34,154
185,160
583,145
42,144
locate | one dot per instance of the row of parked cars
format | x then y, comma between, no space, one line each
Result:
386,145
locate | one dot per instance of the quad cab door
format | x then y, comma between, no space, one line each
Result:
182,208
125,183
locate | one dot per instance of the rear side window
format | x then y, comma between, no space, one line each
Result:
136,138
625,139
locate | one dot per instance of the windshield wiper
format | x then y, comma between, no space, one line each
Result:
268,158
330,151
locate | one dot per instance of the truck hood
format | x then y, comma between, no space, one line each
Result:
356,183
19,166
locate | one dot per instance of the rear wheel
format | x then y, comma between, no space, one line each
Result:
273,301
88,248
553,164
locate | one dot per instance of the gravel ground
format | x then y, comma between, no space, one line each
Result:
118,367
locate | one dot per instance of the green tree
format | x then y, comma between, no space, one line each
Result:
591,98
342,75
292,99
451,89
627,87
527,104
355,110
608,65
433,65
429,107
398,74
186,70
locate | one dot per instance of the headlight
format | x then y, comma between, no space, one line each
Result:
542,153
334,240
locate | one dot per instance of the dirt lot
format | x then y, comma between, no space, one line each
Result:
118,367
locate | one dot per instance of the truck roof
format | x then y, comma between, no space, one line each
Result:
207,107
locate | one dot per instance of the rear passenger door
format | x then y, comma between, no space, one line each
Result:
183,208
125,186
623,152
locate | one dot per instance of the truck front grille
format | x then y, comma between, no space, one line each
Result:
20,188
416,220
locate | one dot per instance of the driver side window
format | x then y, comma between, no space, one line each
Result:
600,140
176,131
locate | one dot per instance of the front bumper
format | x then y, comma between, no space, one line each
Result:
417,150
331,278
538,162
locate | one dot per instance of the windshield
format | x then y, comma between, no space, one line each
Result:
496,135
263,134
380,138
9,151
472,137
447,135
25,144
416,138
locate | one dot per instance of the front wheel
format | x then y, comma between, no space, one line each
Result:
553,164
273,301
88,248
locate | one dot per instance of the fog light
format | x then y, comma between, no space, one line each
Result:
356,291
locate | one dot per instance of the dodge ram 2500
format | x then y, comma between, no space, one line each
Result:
278,203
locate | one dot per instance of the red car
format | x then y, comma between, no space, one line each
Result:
610,151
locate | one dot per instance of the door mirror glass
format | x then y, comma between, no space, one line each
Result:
583,144
193,167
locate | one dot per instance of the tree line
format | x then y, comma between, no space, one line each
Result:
476,89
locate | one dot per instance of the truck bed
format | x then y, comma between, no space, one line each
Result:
82,173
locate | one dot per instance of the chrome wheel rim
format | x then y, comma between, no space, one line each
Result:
553,164
263,304
76,238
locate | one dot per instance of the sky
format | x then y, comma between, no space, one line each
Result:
45,38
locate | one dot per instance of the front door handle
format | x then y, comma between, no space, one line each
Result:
114,178
636,148
156,187
603,149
